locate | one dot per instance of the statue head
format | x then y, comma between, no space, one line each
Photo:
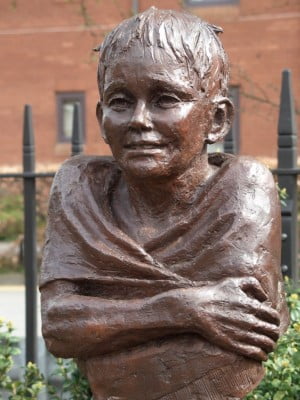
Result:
165,64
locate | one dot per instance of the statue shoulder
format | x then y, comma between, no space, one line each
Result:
252,172
253,190
83,164
79,168
242,169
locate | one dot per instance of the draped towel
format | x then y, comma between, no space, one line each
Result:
231,230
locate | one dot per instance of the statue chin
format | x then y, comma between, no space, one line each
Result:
180,367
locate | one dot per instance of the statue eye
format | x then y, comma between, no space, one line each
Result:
167,101
119,103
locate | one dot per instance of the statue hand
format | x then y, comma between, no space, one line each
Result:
234,315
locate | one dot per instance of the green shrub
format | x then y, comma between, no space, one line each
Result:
74,386
11,216
282,379
32,382
12,220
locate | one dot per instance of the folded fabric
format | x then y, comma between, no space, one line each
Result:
230,230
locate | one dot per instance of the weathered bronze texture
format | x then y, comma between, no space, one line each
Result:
161,265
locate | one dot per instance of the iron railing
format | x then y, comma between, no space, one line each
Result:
29,176
287,172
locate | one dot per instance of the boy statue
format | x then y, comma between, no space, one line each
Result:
161,265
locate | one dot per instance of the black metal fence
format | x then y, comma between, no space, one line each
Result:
29,177
287,172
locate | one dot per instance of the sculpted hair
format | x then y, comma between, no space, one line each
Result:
179,36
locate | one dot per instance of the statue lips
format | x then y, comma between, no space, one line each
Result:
146,147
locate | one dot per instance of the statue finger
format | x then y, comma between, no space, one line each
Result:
248,322
268,314
251,337
262,311
247,350
252,287
263,342
270,330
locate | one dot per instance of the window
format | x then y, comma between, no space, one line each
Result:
65,112
231,143
209,2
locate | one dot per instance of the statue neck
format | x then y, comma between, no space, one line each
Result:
157,196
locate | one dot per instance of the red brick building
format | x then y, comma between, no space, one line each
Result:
47,61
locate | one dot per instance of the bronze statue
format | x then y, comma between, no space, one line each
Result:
161,265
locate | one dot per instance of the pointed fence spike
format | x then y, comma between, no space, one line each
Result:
28,141
77,136
287,118
287,130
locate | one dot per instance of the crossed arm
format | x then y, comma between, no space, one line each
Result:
232,313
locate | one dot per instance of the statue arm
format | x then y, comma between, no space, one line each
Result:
246,315
78,326
226,313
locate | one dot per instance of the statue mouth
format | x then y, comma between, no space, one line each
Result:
145,146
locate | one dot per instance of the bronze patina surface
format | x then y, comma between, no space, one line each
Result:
161,270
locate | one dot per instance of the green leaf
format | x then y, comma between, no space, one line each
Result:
279,395
296,358
276,382
295,315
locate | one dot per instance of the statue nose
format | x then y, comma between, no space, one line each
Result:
141,118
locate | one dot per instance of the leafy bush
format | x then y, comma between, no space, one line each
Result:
11,207
32,382
12,220
282,380
11,216
74,386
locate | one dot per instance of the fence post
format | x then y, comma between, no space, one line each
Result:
30,236
77,136
287,159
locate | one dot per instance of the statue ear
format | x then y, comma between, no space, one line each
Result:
222,119
99,114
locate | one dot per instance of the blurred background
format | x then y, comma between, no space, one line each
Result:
47,61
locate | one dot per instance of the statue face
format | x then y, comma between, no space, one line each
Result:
153,117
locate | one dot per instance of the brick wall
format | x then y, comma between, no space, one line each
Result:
45,48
